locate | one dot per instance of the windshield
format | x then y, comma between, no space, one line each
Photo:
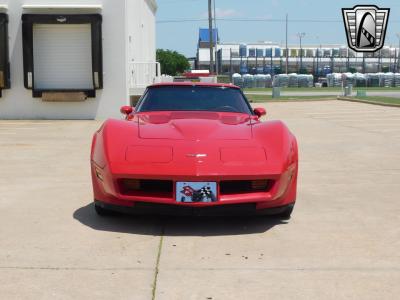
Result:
194,98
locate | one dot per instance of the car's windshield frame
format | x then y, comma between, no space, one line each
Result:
143,99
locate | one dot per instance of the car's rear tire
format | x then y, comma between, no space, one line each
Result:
101,211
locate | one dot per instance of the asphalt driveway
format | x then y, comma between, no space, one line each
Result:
342,242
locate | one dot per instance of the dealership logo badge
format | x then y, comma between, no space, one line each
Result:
366,27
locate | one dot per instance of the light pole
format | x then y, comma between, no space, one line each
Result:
301,35
287,50
398,53
211,33
216,41
318,54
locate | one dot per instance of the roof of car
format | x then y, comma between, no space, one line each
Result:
195,84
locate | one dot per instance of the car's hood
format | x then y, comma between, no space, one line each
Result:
194,126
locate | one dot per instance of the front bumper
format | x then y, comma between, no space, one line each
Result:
143,208
275,200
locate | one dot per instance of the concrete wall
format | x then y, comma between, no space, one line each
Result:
17,103
141,30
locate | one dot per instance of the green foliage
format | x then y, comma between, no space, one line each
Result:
172,63
385,69
223,79
303,71
352,70
268,98
380,99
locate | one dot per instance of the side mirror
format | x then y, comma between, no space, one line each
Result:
259,111
126,110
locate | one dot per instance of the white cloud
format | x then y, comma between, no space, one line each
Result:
275,3
223,13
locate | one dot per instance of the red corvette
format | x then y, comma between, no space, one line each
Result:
194,149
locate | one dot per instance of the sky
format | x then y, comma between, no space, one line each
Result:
178,21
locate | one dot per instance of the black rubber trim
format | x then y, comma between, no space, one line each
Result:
4,52
97,46
142,208
39,93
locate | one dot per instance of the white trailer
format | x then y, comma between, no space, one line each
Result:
75,59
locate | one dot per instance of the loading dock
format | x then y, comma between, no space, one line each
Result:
78,59
62,54
4,60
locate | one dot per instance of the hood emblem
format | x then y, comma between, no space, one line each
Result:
196,155
62,19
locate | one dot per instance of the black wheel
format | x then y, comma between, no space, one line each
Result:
101,211
286,214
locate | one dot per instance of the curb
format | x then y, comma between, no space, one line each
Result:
367,102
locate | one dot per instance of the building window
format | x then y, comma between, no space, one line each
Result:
62,54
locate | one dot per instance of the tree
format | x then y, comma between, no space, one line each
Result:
172,63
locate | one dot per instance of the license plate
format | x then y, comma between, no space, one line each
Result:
196,192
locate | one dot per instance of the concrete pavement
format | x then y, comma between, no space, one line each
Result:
341,243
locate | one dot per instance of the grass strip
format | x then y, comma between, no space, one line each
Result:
268,98
384,101
326,89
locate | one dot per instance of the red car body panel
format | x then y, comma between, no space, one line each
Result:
194,146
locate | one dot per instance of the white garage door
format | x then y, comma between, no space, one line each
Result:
62,56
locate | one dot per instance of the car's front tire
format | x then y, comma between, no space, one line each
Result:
287,213
101,211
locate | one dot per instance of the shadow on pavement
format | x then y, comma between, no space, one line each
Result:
175,226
